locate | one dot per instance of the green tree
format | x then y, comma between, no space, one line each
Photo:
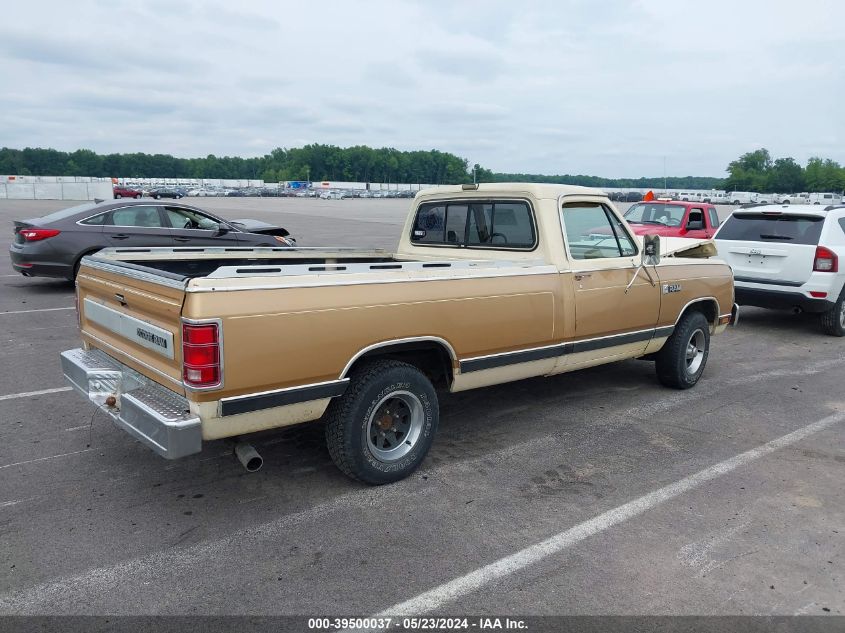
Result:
785,176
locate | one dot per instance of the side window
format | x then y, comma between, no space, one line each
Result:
594,233
97,220
140,216
714,217
842,224
696,217
180,218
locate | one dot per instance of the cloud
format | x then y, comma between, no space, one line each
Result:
546,86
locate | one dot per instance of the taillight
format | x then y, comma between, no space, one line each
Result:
36,235
201,355
825,261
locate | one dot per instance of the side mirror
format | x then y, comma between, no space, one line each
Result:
651,250
222,229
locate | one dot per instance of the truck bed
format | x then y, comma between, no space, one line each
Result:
185,264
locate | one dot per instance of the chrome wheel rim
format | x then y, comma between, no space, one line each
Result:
842,315
695,351
395,426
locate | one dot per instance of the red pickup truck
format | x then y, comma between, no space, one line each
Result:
673,219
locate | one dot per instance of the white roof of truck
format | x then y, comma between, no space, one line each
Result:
538,190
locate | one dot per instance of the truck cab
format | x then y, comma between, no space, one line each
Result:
673,219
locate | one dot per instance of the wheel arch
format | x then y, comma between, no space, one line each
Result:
708,306
432,355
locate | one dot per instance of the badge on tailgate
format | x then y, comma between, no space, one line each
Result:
140,332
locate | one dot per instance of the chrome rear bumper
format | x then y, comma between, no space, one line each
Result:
155,415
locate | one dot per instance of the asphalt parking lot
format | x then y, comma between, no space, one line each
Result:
595,466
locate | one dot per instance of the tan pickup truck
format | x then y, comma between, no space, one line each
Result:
491,283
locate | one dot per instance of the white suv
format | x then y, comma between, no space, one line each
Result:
788,256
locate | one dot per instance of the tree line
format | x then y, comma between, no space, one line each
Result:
757,171
312,162
753,171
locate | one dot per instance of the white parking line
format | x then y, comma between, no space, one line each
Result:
38,310
44,459
449,592
58,594
27,394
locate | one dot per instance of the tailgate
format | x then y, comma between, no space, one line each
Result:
790,265
134,317
773,247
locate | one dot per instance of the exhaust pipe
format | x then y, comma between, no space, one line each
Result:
249,457
797,310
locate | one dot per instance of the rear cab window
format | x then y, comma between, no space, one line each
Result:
777,228
491,224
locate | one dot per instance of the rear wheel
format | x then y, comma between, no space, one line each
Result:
833,321
118,196
381,429
681,361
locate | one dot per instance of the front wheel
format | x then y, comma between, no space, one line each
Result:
681,361
380,430
833,321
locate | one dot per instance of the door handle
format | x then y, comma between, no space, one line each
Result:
580,276
120,236
182,239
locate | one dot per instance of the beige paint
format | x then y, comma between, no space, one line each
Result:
215,427
285,331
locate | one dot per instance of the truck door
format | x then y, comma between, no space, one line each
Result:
695,224
604,259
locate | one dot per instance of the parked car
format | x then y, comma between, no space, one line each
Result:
166,192
824,199
716,198
791,198
743,197
673,219
231,343
125,192
53,245
788,256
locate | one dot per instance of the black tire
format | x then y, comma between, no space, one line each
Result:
138,195
735,202
785,202
374,388
675,368
157,197
833,321
118,196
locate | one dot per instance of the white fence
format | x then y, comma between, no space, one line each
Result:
55,190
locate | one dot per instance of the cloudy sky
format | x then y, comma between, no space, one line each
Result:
606,88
